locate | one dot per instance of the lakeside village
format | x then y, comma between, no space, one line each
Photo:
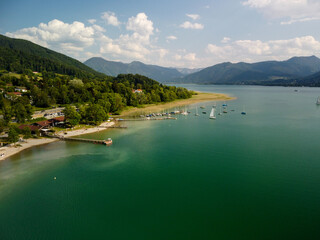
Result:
55,119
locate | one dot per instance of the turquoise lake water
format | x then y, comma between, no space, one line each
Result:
254,176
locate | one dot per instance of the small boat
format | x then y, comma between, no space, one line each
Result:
225,111
196,114
107,142
204,112
202,107
212,113
243,112
318,101
185,113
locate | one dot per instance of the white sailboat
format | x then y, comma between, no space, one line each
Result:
197,114
185,113
318,101
212,113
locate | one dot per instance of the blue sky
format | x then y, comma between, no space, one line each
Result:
168,33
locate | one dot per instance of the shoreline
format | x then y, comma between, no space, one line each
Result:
11,151
200,97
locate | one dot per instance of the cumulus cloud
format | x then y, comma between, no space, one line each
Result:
140,24
92,21
189,25
290,11
135,45
110,18
225,40
190,57
193,16
58,35
170,38
256,50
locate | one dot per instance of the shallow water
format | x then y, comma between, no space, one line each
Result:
237,177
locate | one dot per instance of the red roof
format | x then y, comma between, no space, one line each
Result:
59,119
43,123
15,93
32,128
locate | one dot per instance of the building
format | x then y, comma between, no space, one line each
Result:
20,89
136,90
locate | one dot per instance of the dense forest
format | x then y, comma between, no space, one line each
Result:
18,54
98,95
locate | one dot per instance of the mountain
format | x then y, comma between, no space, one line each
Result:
18,54
186,71
161,74
263,73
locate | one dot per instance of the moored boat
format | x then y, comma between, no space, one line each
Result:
212,113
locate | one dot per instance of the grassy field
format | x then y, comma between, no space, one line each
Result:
155,108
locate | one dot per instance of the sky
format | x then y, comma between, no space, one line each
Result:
170,33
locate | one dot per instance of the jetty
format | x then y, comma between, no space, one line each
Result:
107,142
145,119
114,127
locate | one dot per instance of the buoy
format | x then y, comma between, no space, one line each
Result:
54,178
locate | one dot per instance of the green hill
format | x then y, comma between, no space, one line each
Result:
262,73
17,55
161,74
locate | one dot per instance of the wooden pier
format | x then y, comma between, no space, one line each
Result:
114,127
107,142
146,119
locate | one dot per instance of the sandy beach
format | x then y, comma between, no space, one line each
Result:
200,97
8,151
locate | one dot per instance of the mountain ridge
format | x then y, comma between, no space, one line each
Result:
158,73
255,73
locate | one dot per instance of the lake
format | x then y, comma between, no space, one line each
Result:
253,176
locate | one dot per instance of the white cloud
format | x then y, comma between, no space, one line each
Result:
193,16
110,18
92,21
137,45
140,24
290,11
249,50
170,38
189,25
225,40
190,57
98,28
58,35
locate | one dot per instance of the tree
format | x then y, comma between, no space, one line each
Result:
94,113
13,135
71,115
26,133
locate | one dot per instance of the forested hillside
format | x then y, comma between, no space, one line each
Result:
16,55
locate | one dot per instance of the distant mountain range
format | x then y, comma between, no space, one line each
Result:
18,54
161,74
295,71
